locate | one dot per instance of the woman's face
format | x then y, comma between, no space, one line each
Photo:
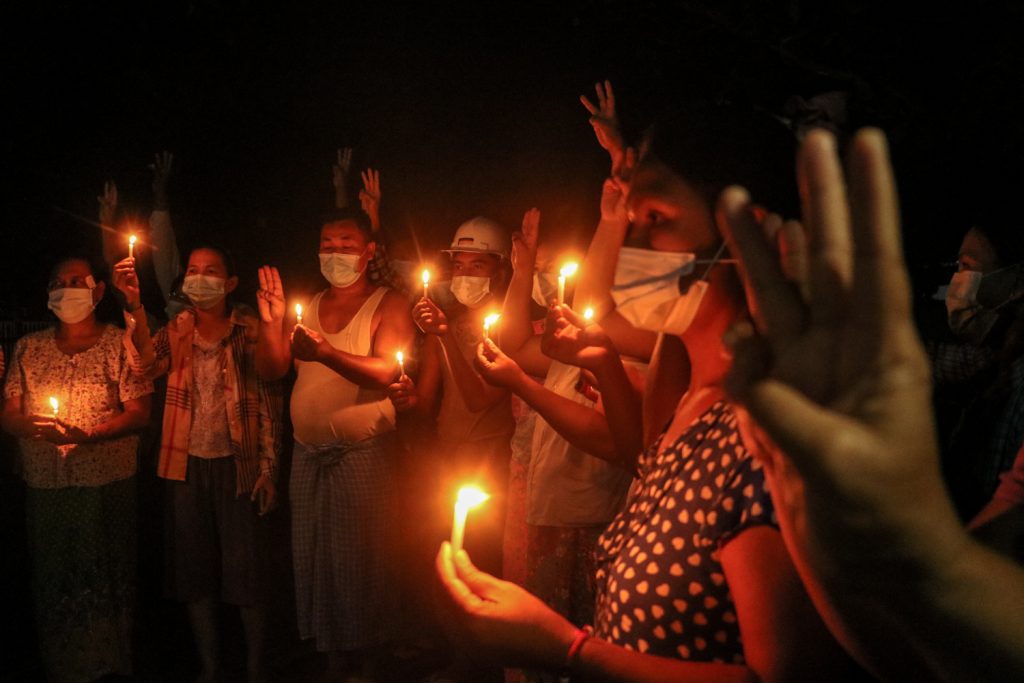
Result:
668,214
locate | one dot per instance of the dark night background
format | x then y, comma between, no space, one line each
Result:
466,110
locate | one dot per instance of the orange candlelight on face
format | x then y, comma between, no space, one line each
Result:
469,497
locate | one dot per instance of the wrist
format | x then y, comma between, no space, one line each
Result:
131,306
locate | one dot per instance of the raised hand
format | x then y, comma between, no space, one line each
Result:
495,367
430,318
403,394
270,295
605,121
341,168
369,196
306,344
161,168
613,202
570,339
502,622
108,204
126,280
524,243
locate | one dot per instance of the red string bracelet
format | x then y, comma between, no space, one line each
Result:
582,635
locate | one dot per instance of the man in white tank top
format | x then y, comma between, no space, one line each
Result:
344,469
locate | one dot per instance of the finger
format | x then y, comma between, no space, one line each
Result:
610,96
879,273
275,281
772,302
455,586
571,316
262,275
588,104
792,241
600,96
826,216
480,583
366,179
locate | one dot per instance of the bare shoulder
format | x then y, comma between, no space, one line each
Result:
394,301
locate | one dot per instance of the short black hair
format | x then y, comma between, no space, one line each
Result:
350,215
712,146
225,255
96,268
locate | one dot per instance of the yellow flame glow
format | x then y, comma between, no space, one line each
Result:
569,269
470,497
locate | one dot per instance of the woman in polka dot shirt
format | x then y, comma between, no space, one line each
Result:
694,581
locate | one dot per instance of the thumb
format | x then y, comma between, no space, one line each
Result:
481,583
572,316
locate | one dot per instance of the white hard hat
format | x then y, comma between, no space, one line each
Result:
481,235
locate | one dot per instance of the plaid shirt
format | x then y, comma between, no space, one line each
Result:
381,272
254,406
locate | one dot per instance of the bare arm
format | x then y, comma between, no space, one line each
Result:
516,327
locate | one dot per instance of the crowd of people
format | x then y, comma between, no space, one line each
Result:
712,451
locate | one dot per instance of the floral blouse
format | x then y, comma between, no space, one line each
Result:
91,388
661,588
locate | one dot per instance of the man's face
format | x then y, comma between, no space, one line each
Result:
345,237
474,264
976,253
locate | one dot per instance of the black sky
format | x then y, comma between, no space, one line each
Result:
465,110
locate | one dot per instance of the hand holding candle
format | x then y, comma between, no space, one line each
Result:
469,497
567,271
489,322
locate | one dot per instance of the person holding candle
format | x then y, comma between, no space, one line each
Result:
474,419
696,559
78,458
218,448
344,478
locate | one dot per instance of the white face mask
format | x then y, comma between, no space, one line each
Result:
646,289
974,300
205,291
545,288
341,270
71,304
470,291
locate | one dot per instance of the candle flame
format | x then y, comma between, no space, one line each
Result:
470,497
490,320
569,269
425,275
400,357
298,310
588,314
131,240
54,403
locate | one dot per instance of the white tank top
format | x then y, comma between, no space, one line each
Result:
327,408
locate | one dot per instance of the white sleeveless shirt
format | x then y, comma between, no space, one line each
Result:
327,408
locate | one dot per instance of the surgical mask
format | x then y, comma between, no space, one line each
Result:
545,288
646,289
341,270
470,291
71,304
974,300
205,291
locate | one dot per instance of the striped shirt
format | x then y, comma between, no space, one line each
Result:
254,406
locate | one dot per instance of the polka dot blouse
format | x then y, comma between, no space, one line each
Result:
661,589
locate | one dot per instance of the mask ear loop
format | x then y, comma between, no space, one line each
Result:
714,261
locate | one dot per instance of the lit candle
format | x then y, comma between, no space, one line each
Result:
489,322
568,270
425,275
588,314
400,357
469,497
55,404
298,313
131,246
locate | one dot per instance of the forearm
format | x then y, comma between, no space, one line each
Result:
516,327
478,394
598,272
273,352
369,372
622,409
141,351
607,663
166,258
130,420
583,427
